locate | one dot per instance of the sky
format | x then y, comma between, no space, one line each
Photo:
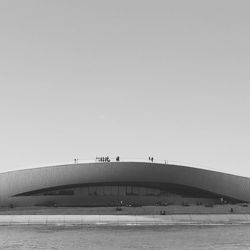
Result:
168,79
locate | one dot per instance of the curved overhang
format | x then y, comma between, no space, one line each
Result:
30,180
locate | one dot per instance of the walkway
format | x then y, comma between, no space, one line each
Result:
115,220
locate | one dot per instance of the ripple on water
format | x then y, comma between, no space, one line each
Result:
125,237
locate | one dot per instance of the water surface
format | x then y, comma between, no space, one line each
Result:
125,237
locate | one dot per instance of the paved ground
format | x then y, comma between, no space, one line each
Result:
203,219
145,210
148,215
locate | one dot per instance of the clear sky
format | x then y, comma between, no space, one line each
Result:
132,78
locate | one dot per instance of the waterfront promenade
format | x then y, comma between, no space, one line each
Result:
146,215
125,220
125,210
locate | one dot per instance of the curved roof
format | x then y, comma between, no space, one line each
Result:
21,181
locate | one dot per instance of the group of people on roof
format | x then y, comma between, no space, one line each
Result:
107,159
103,159
151,159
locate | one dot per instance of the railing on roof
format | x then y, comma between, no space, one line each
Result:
121,159
125,159
145,160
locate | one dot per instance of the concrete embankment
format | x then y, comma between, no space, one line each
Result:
123,220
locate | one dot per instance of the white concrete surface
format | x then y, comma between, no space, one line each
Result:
124,219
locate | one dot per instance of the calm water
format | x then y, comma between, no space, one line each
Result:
129,237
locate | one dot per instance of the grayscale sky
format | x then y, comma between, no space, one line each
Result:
132,78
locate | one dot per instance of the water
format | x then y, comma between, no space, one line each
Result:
127,237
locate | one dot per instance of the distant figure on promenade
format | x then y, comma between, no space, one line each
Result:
75,160
221,200
118,158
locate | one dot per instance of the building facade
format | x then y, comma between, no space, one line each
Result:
116,183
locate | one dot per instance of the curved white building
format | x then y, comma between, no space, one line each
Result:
110,183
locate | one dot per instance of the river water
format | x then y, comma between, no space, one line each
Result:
125,237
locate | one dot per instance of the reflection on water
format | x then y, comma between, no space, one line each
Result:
127,237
